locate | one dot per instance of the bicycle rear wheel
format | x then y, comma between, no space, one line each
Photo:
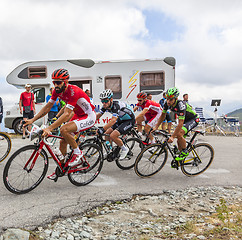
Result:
199,159
151,160
91,166
18,179
5,146
135,146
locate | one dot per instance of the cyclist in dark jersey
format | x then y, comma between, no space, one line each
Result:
187,120
122,121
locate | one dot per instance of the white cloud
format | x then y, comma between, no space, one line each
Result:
208,51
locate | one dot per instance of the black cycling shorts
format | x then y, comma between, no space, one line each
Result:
189,125
124,127
168,118
28,115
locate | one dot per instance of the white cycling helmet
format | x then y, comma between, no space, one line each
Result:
108,93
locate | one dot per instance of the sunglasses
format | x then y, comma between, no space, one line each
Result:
170,97
140,100
105,100
57,82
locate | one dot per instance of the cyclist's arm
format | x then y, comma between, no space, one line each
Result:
65,117
144,111
41,113
110,123
60,112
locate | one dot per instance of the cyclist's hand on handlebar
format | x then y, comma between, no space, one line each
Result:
171,139
46,132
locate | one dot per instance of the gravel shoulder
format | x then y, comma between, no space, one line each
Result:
193,213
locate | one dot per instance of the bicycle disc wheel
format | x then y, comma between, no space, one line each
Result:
199,159
5,146
135,146
94,158
19,180
151,160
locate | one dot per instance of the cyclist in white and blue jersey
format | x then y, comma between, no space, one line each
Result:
122,121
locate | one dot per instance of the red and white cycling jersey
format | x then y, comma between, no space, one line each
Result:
76,99
153,107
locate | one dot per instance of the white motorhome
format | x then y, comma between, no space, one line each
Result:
125,77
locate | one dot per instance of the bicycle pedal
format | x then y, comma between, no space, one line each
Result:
55,180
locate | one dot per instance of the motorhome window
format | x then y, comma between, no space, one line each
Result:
115,84
39,95
37,72
153,82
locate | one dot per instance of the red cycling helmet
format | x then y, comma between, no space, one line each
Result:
142,95
61,74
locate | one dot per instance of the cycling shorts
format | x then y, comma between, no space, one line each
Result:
84,122
28,115
124,126
152,120
189,125
168,118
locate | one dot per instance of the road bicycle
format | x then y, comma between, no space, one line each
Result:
112,153
153,158
5,146
27,167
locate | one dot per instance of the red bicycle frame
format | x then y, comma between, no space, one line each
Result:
37,152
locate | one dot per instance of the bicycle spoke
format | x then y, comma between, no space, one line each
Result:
198,160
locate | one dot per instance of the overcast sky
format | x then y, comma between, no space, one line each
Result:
205,37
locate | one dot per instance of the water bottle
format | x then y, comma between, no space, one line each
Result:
109,145
58,154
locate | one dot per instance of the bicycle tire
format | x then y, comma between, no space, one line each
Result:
151,160
18,180
5,146
135,146
199,159
84,177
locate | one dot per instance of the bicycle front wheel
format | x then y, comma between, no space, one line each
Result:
91,166
19,178
151,160
135,146
5,146
199,159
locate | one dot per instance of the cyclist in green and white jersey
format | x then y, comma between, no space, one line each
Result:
187,120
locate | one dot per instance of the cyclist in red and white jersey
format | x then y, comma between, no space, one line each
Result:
151,111
78,106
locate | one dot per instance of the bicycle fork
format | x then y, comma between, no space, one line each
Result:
33,158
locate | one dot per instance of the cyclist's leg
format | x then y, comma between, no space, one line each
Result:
77,124
139,120
109,131
151,123
181,142
169,122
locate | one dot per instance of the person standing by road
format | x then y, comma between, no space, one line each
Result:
27,105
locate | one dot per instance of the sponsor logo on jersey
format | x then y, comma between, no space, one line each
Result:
87,124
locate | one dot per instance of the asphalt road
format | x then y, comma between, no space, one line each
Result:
62,199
